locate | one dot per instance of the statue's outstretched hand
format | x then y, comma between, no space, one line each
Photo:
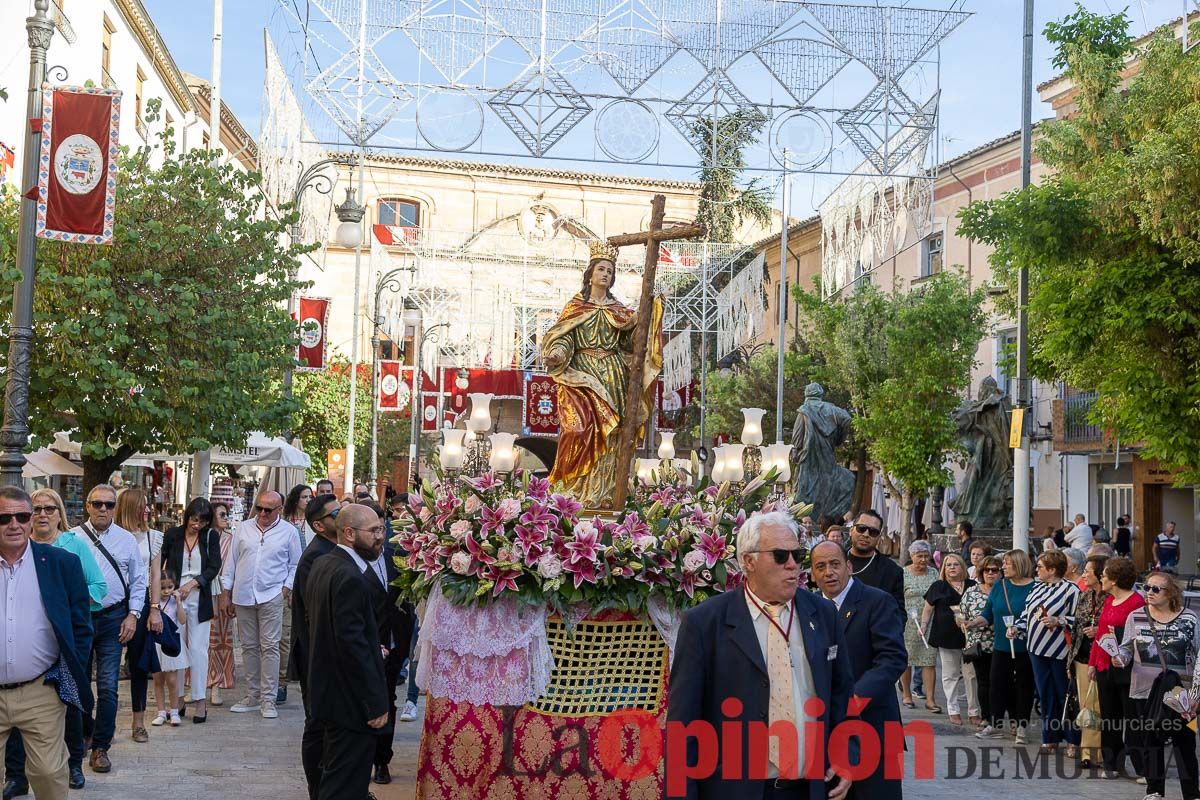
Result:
554,359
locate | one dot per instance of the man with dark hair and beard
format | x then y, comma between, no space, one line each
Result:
347,687
870,566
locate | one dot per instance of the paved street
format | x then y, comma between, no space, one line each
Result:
237,756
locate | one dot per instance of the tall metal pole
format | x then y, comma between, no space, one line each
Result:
1021,488
348,480
783,293
214,100
373,475
414,446
15,433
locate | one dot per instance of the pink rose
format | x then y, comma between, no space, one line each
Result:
510,509
473,504
505,554
549,566
693,561
460,529
460,563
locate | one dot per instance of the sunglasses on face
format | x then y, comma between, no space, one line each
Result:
99,504
781,555
1150,589
22,517
991,569
265,510
47,510
866,529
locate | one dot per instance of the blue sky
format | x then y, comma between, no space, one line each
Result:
980,62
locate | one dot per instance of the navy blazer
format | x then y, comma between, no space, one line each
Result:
717,656
65,597
874,631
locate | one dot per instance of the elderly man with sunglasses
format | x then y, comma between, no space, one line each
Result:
117,554
768,654
257,582
870,566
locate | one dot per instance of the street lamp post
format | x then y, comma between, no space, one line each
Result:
389,280
1021,487
15,433
349,234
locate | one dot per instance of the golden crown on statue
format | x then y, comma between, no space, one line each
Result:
602,249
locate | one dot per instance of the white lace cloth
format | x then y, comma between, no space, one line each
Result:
666,621
494,655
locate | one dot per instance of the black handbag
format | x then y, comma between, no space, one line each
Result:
1161,720
974,652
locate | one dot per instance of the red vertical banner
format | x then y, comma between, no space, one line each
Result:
77,165
393,386
429,415
540,402
314,316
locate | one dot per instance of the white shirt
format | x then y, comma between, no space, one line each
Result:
127,552
192,564
358,560
802,680
26,636
841,597
1080,536
261,562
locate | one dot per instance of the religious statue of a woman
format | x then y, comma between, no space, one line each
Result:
588,352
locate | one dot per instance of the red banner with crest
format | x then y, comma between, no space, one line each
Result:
313,318
394,391
540,404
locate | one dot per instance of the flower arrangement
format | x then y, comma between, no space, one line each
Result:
484,539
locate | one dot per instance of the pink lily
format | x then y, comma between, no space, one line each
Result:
485,482
583,547
712,545
537,515
532,541
478,553
505,578
583,571
567,506
539,488
491,519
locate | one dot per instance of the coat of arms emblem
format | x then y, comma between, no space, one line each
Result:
78,163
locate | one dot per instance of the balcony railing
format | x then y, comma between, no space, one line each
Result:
142,129
1075,408
106,80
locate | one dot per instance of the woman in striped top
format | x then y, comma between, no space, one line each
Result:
1048,616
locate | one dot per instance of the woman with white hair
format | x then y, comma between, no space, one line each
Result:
1075,561
918,577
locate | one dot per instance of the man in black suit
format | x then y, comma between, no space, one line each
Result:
870,566
321,514
874,631
395,636
347,690
768,653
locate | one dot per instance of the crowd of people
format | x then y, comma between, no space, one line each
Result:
113,593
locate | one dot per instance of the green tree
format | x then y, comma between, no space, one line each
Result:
324,418
753,386
174,336
903,359
725,199
1111,238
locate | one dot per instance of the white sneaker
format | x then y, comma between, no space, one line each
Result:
268,710
159,719
247,703
1153,796
175,720
410,711
1022,736
1140,781
988,732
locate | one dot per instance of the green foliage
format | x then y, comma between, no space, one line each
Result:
724,202
3,94
1111,241
1086,31
903,360
324,418
754,387
174,336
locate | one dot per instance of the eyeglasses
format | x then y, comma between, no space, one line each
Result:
866,529
382,530
47,510
99,504
1151,589
222,516
781,555
991,569
22,517
265,510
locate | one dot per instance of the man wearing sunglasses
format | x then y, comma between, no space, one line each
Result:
775,648
870,566
874,631
321,515
257,582
120,560
45,637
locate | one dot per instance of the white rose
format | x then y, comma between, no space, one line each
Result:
549,566
460,563
510,509
693,561
460,529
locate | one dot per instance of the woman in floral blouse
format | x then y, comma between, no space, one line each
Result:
977,657
1087,615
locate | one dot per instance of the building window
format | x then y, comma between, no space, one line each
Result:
106,55
139,93
400,213
931,254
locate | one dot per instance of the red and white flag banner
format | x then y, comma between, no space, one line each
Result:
313,318
394,391
77,165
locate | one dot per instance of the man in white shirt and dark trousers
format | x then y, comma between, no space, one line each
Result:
257,582
118,556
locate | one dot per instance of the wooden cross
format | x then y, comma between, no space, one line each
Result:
651,238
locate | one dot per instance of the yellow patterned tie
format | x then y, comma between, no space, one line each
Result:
779,672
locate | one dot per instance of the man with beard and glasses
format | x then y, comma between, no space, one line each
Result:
870,566
347,686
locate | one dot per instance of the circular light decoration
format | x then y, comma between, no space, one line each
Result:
900,229
627,130
805,136
450,120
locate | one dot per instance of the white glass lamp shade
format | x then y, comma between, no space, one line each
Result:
349,234
504,454
451,455
666,445
778,455
718,469
646,468
733,462
481,413
752,426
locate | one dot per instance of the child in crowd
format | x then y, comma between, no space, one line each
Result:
165,678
